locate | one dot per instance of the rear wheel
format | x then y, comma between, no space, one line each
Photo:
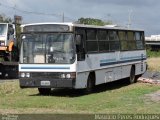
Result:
132,78
44,91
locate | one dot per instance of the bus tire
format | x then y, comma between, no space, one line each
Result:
132,78
90,83
44,91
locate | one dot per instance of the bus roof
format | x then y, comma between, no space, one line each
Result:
83,25
46,23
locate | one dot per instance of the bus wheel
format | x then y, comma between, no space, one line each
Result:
90,84
132,78
44,91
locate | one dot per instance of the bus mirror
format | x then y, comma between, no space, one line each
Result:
78,39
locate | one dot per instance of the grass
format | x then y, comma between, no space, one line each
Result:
117,97
153,64
153,53
153,60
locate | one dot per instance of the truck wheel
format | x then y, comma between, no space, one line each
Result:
132,78
3,74
44,91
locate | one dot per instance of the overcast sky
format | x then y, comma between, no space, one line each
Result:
144,14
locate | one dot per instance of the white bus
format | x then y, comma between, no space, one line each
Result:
67,55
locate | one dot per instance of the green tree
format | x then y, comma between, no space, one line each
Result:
93,21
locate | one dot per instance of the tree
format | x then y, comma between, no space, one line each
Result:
93,21
17,22
5,19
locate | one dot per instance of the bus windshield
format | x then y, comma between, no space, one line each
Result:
3,29
55,48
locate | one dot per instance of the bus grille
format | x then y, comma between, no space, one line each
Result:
45,75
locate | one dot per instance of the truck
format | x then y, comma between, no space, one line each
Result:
8,51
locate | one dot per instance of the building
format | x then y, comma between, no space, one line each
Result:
153,42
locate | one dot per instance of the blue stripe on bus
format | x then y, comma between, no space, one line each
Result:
108,60
129,58
45,68
124,60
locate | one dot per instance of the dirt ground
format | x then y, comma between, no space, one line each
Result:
154,97
151,78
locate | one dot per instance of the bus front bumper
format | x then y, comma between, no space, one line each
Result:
46,83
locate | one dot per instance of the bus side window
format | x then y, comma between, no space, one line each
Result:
79,47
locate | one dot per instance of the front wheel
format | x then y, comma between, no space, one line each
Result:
44,91
90,85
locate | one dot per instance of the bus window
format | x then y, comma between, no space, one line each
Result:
101,34
131,40
123,41
114,41
80,46
137,36
139,40
92,45
102,40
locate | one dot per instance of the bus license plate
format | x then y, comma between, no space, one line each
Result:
45,83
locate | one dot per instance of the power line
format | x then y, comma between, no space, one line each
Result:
35,13
24,11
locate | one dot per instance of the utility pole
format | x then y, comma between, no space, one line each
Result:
129,18
63,17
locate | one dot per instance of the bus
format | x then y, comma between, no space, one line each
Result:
77,56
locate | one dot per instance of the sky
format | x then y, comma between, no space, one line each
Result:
142,14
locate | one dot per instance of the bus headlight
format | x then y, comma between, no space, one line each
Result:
28,75
68,76
63,76
22,75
